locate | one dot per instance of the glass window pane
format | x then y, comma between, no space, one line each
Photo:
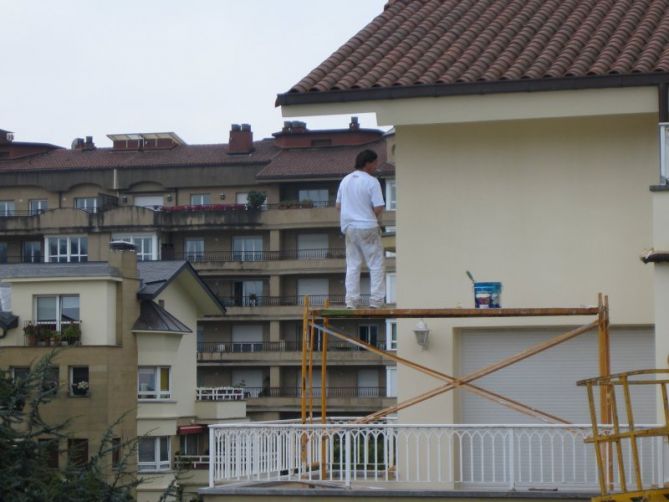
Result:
165,379
146,379
164,449
146,449
70,308
46,308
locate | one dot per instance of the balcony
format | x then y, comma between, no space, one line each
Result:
236,353
45,334
330,392
507,458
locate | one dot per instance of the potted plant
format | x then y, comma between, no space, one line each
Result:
255,200
80,388
306,203
30,332
72,334
43,335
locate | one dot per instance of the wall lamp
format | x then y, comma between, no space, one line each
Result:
422,331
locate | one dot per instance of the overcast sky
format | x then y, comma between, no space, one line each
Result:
74,68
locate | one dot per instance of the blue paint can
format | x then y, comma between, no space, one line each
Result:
487,295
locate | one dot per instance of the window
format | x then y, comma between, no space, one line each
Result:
66,249
50,382
312,246
37,206
19,373
149,201
77,451
188,444
368,333
319,196
146,245
664,155
200,199
3,252
7,208
241,197
390,288
32,252
116,452
247,248
391,334
316,289
79,381
153,382
57,309
49,449
194,249
88,204
153,454
248,293
391,195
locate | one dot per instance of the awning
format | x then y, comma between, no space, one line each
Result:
183,430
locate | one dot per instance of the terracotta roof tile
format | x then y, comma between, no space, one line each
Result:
330,162
446,42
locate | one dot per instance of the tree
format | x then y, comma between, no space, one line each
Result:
27,441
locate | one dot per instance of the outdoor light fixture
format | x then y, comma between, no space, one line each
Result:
421,331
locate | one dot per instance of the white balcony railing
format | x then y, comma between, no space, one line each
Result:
502,457
220,393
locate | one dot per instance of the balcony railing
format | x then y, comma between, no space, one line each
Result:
50,333
261,256
331,392
500,457
219,394
283,301
281,346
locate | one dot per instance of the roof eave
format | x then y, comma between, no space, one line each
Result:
472,88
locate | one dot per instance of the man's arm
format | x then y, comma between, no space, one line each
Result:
378,210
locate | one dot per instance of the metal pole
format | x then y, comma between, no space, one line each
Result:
324,402
303,394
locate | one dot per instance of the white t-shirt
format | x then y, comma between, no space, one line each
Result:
359,193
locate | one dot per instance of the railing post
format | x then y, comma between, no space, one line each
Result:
212,456
347,460
512,460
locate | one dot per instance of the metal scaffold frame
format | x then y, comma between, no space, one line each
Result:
320,319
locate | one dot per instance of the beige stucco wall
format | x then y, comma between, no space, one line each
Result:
556,209
97,307
661,283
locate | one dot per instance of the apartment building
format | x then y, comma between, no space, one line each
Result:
126,334
256,219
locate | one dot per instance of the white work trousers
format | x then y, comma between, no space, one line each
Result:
364,243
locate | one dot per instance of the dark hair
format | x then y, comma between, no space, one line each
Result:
364,158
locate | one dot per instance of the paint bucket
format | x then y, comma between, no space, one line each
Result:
487,295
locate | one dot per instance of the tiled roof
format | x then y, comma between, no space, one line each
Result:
329,162
105,158
466,44
57,270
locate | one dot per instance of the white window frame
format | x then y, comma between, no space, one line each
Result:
59,310
157,464
72,383
664,154
247,241
391,281
391,334
7,208
140,242
369,338
88,204
200,199
157,394
391,194
197,254
69,256
37,206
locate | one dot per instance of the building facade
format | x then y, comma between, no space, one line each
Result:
260,254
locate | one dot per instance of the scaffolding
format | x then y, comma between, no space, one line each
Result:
319,320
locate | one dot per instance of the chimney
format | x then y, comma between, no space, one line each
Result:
123,256
89,145
6,137
241,139
78,144
354,125
298,126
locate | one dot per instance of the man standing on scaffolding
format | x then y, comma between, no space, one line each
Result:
360,203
